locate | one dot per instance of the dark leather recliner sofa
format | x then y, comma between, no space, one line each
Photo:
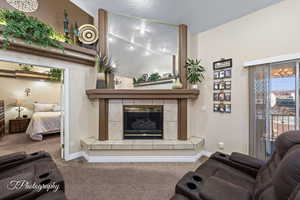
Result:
21,174
241,177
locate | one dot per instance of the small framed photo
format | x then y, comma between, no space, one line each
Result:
216,107
228,108
227,96
222,108
227,85
216,86
216,75
222,85
216,96
221,96
228,73
222,74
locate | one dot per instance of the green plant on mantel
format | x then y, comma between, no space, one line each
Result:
30,29
154,77
28,68
104,64
55,74
194,71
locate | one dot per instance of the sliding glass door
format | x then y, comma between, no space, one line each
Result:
274,106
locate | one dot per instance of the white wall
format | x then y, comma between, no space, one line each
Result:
14,89
269,32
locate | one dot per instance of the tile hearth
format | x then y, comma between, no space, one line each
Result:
94,144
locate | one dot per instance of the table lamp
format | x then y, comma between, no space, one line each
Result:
19,108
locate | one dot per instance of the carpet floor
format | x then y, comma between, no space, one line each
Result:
95,181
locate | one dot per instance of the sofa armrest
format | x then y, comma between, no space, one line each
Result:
12,158
246,160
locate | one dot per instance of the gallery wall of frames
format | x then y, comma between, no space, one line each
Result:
222,86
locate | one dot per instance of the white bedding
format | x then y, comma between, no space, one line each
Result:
43,123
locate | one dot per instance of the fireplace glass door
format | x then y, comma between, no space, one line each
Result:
143,122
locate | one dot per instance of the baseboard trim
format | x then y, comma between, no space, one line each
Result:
74,156
143,159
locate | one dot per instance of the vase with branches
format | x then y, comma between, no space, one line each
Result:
195,72
104,66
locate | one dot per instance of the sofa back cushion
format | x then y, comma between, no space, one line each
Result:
264,179
287,175
286,141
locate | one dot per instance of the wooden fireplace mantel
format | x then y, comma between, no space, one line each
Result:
104,95
143,94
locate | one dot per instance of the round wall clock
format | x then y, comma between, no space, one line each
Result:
88,34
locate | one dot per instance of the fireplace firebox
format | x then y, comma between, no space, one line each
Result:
143,122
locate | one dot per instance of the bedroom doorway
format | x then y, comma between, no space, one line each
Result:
32,109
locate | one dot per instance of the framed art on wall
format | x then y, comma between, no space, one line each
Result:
222,82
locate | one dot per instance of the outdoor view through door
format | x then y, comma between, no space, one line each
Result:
274,106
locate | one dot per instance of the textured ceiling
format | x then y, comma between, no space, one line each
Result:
200,15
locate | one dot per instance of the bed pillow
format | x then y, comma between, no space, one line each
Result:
38,107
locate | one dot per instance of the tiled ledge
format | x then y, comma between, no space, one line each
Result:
94,144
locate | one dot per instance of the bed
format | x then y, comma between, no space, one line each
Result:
44,122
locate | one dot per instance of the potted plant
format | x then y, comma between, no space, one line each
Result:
55,74
15,24
194,72
104,66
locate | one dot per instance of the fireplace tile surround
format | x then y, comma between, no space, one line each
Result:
115,117
177,144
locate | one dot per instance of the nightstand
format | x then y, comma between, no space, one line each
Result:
18,125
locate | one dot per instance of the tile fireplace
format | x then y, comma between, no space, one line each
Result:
143,121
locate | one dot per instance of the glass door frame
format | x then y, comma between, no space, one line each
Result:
254,139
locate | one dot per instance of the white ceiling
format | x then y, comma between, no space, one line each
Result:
137,52
200,15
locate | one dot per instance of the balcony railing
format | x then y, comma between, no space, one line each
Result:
281,124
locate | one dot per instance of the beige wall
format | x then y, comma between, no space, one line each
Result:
83,113
13,89
269,32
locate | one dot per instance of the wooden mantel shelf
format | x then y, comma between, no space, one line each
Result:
142,94
71,53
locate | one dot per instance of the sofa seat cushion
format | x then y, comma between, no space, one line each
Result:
215,188
219,170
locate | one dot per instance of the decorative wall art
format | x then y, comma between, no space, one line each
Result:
222,86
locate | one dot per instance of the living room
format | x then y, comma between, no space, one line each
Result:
153,89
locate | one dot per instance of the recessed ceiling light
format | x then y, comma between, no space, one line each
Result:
110,39
131,48
132,40
164,50
147,53
143,28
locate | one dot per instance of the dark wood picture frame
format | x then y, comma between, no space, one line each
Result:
222,64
